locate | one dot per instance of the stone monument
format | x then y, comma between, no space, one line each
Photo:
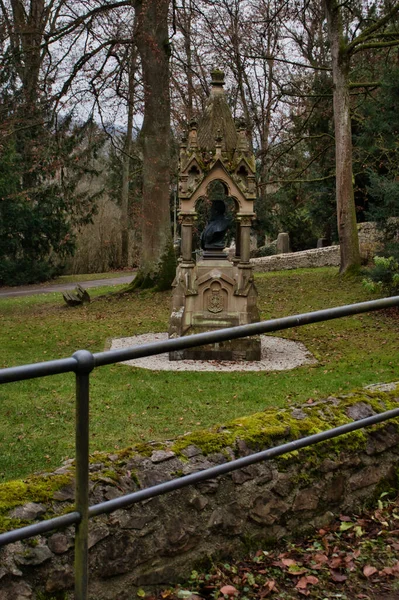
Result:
212,292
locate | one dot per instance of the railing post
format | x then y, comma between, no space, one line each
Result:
85,364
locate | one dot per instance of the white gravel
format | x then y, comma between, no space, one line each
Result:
278,354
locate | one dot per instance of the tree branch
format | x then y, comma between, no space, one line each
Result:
366,33
286,61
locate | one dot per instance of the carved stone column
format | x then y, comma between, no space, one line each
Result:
187,222
245,239
237,256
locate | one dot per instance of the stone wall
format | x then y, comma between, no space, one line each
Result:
317,257
369,240
369,244
159,541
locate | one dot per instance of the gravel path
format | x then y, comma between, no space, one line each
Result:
278,354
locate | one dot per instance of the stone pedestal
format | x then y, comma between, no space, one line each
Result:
214,294
283,243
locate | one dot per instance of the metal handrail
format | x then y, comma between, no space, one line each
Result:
83,362
75,363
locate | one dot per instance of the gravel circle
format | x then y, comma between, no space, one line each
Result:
278,354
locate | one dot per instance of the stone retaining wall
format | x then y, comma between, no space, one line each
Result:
317,257
160,541
369,243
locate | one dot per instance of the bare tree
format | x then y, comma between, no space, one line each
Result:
375,35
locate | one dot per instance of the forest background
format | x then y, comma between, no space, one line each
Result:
95,96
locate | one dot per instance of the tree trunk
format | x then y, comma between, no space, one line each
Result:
126,164
346,211
153,45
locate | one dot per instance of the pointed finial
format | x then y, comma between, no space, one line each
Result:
217,81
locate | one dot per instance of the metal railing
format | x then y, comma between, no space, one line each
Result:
83,362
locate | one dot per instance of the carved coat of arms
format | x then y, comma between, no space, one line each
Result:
215,301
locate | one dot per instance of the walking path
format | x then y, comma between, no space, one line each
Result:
30,290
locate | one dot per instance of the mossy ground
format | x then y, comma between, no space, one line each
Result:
131,405
37,488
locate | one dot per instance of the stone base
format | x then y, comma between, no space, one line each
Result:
214,255
235,350
210,295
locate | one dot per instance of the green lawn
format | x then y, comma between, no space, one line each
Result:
127,404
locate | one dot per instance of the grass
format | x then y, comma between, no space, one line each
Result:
129,405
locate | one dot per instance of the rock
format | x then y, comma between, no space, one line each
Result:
360,410
191,451
334,490
60,579
112,492
298,414
243,448
263,472
62,470
370,476
382,387
247,474
267,511
34,556
283,485
216,519
96,467
307,499
96,534
217,458
181,538
209,487
198,501
28,512
65,493
7,562
196,465
323,520
119,554
59,543
329,465
380,440
151,478
161,455
228,519
16,591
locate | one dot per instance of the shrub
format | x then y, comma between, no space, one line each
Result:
268,250
383,276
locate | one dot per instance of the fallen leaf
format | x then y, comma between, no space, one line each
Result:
288,562
338,577
228,590
305,581
386,571
368,571
270,586
335,562
320,558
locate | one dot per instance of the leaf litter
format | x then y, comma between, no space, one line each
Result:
356,557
